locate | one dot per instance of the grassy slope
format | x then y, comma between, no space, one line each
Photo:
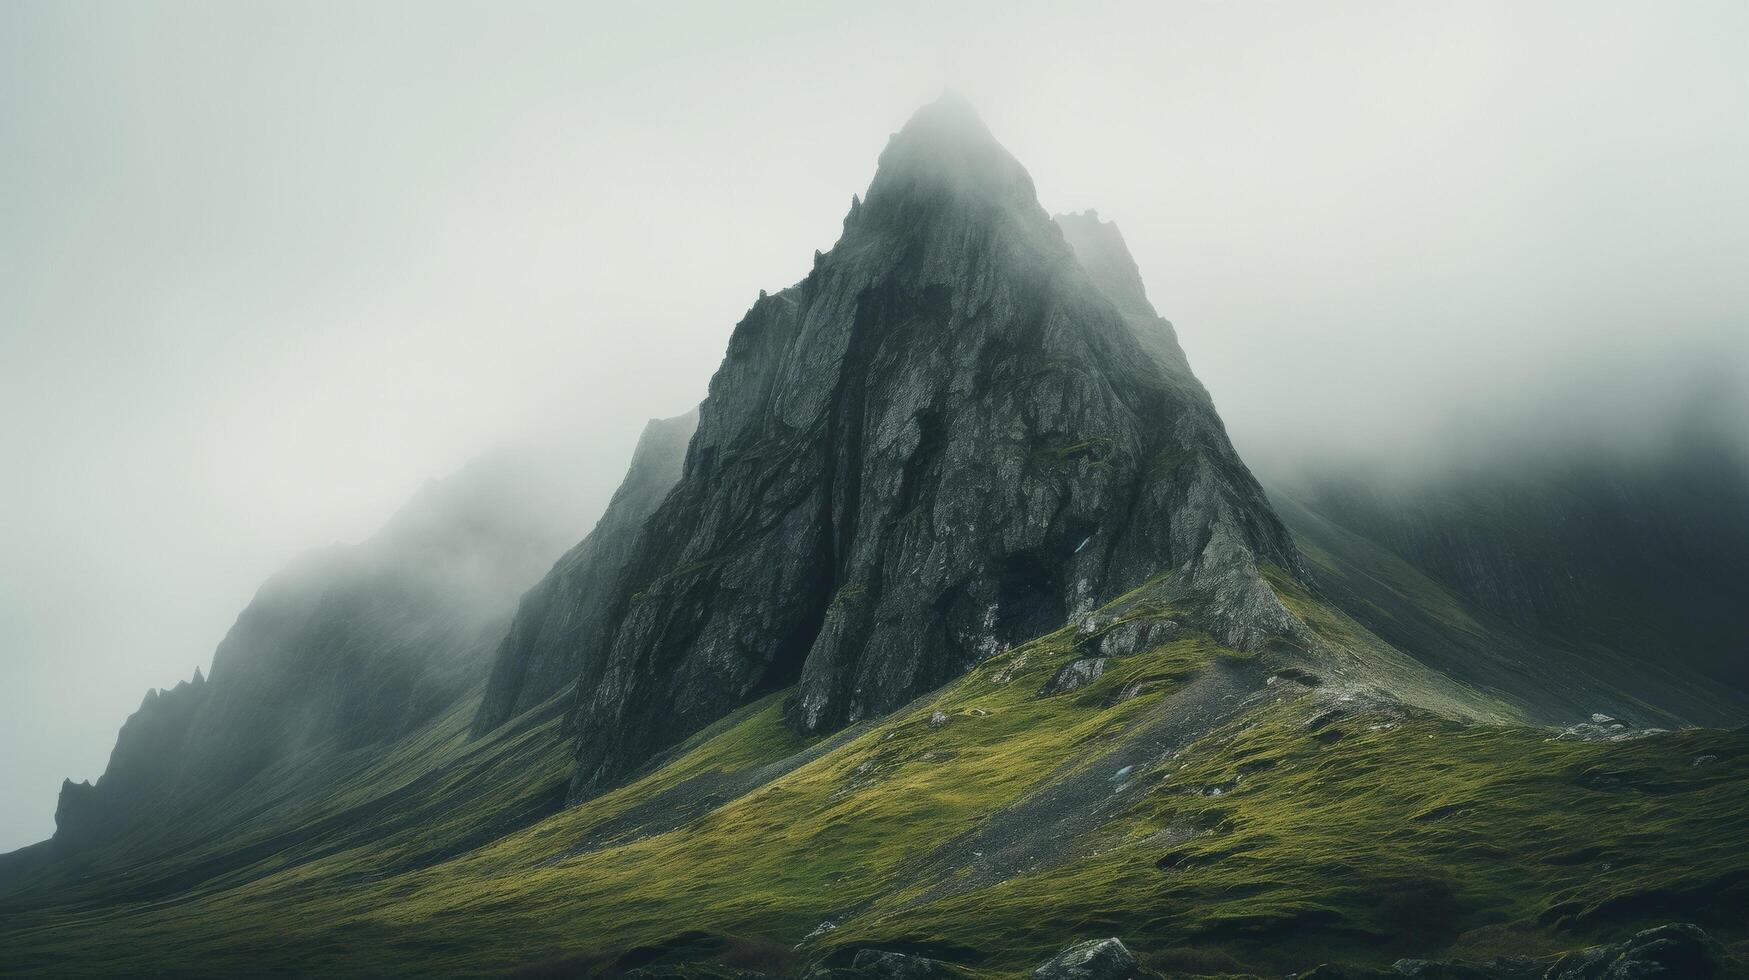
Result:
1479,838
1622,663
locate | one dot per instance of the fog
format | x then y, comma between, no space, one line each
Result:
263,271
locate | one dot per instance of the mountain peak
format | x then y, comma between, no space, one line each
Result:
945,146
950,116
943,442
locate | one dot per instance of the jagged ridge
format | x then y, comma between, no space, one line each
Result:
349,646
547,648
945,440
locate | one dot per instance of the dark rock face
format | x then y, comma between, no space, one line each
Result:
1137,635
556,641
1101,250
1096,959
875,964
152,739
947,439
348,647
1671,951
1664,953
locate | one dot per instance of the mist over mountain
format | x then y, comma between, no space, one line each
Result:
250,304
346,650
941,443
950,636
870,581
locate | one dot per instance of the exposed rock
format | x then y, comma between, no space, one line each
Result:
876,964
1671,951
937,719
1130,690
1665,953
1101,250
1006,672
78,818
1614,731
946,440
1136,635
556,642
1073,676
1096,959
150,752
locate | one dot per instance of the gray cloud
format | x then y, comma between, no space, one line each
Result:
263,270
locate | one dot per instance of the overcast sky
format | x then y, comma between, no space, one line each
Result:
264,270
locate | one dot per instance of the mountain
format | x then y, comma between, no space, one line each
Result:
941,443
348,649
948,638
1603,569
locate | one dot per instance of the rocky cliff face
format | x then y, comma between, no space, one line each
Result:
153,736
348,647
556,641
947,439
1101,250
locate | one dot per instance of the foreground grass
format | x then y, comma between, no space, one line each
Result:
1374,836
1310,827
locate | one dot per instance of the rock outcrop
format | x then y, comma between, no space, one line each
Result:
1680,950
875,964
152,741
556,641
949,438
1095,959
945,440
1073,676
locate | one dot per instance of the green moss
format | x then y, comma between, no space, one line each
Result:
1094,451
1404,836
1365,836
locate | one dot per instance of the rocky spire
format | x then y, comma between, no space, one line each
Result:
1102,252
945,440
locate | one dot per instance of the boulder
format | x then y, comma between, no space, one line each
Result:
879,964
899,966
1073,676
1672,951
1095,959
1137,635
